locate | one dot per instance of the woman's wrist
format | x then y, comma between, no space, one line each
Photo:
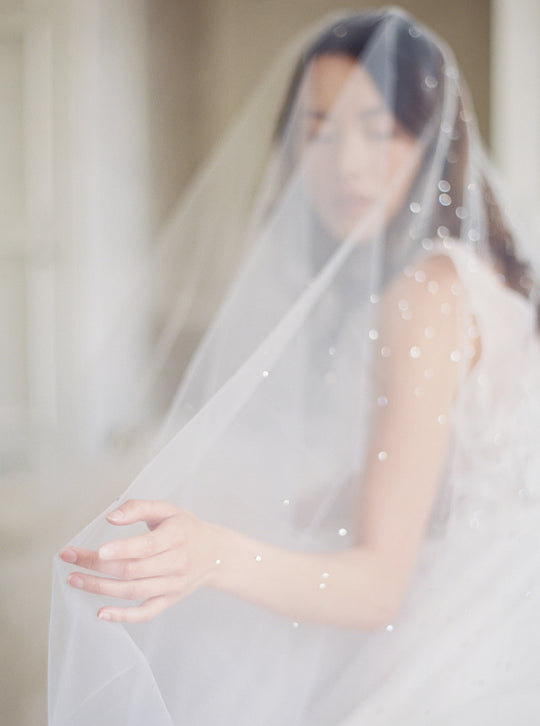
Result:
227,558
239,561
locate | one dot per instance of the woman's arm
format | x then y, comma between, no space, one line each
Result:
358,587
351,588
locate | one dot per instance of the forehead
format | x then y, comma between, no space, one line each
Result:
336,80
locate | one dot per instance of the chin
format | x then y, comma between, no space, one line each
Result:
364,227
363,231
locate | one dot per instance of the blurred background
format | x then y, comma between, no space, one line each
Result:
107,108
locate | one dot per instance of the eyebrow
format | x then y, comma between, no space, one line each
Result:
323,115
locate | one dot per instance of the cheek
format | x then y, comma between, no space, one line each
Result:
403,166
397,162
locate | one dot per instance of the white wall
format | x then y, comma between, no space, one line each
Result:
515,89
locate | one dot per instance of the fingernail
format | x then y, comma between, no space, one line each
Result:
104,615
76,581
69,556
116,515
107,552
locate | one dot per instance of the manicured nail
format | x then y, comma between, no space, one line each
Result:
76,581
68,555
116,515
104,615
107,552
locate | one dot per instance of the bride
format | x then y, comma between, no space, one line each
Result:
341,519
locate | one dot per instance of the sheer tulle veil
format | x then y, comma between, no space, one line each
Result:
311,293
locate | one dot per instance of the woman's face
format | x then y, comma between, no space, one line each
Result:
357,160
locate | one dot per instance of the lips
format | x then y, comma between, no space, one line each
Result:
352,203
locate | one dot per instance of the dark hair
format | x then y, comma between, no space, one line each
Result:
417,59
417,101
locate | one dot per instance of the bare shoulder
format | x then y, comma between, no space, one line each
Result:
428,291
430,279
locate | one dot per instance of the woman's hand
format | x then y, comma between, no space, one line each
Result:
179,554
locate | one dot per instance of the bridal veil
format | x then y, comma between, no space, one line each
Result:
272,429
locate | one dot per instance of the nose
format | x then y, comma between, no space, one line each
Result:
355,159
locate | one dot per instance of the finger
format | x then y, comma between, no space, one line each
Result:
142,510
89,559
140,613
165,563
127,589
144,545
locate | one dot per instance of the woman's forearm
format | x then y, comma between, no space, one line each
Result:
350,588
360,587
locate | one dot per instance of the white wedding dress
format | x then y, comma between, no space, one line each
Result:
465,637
